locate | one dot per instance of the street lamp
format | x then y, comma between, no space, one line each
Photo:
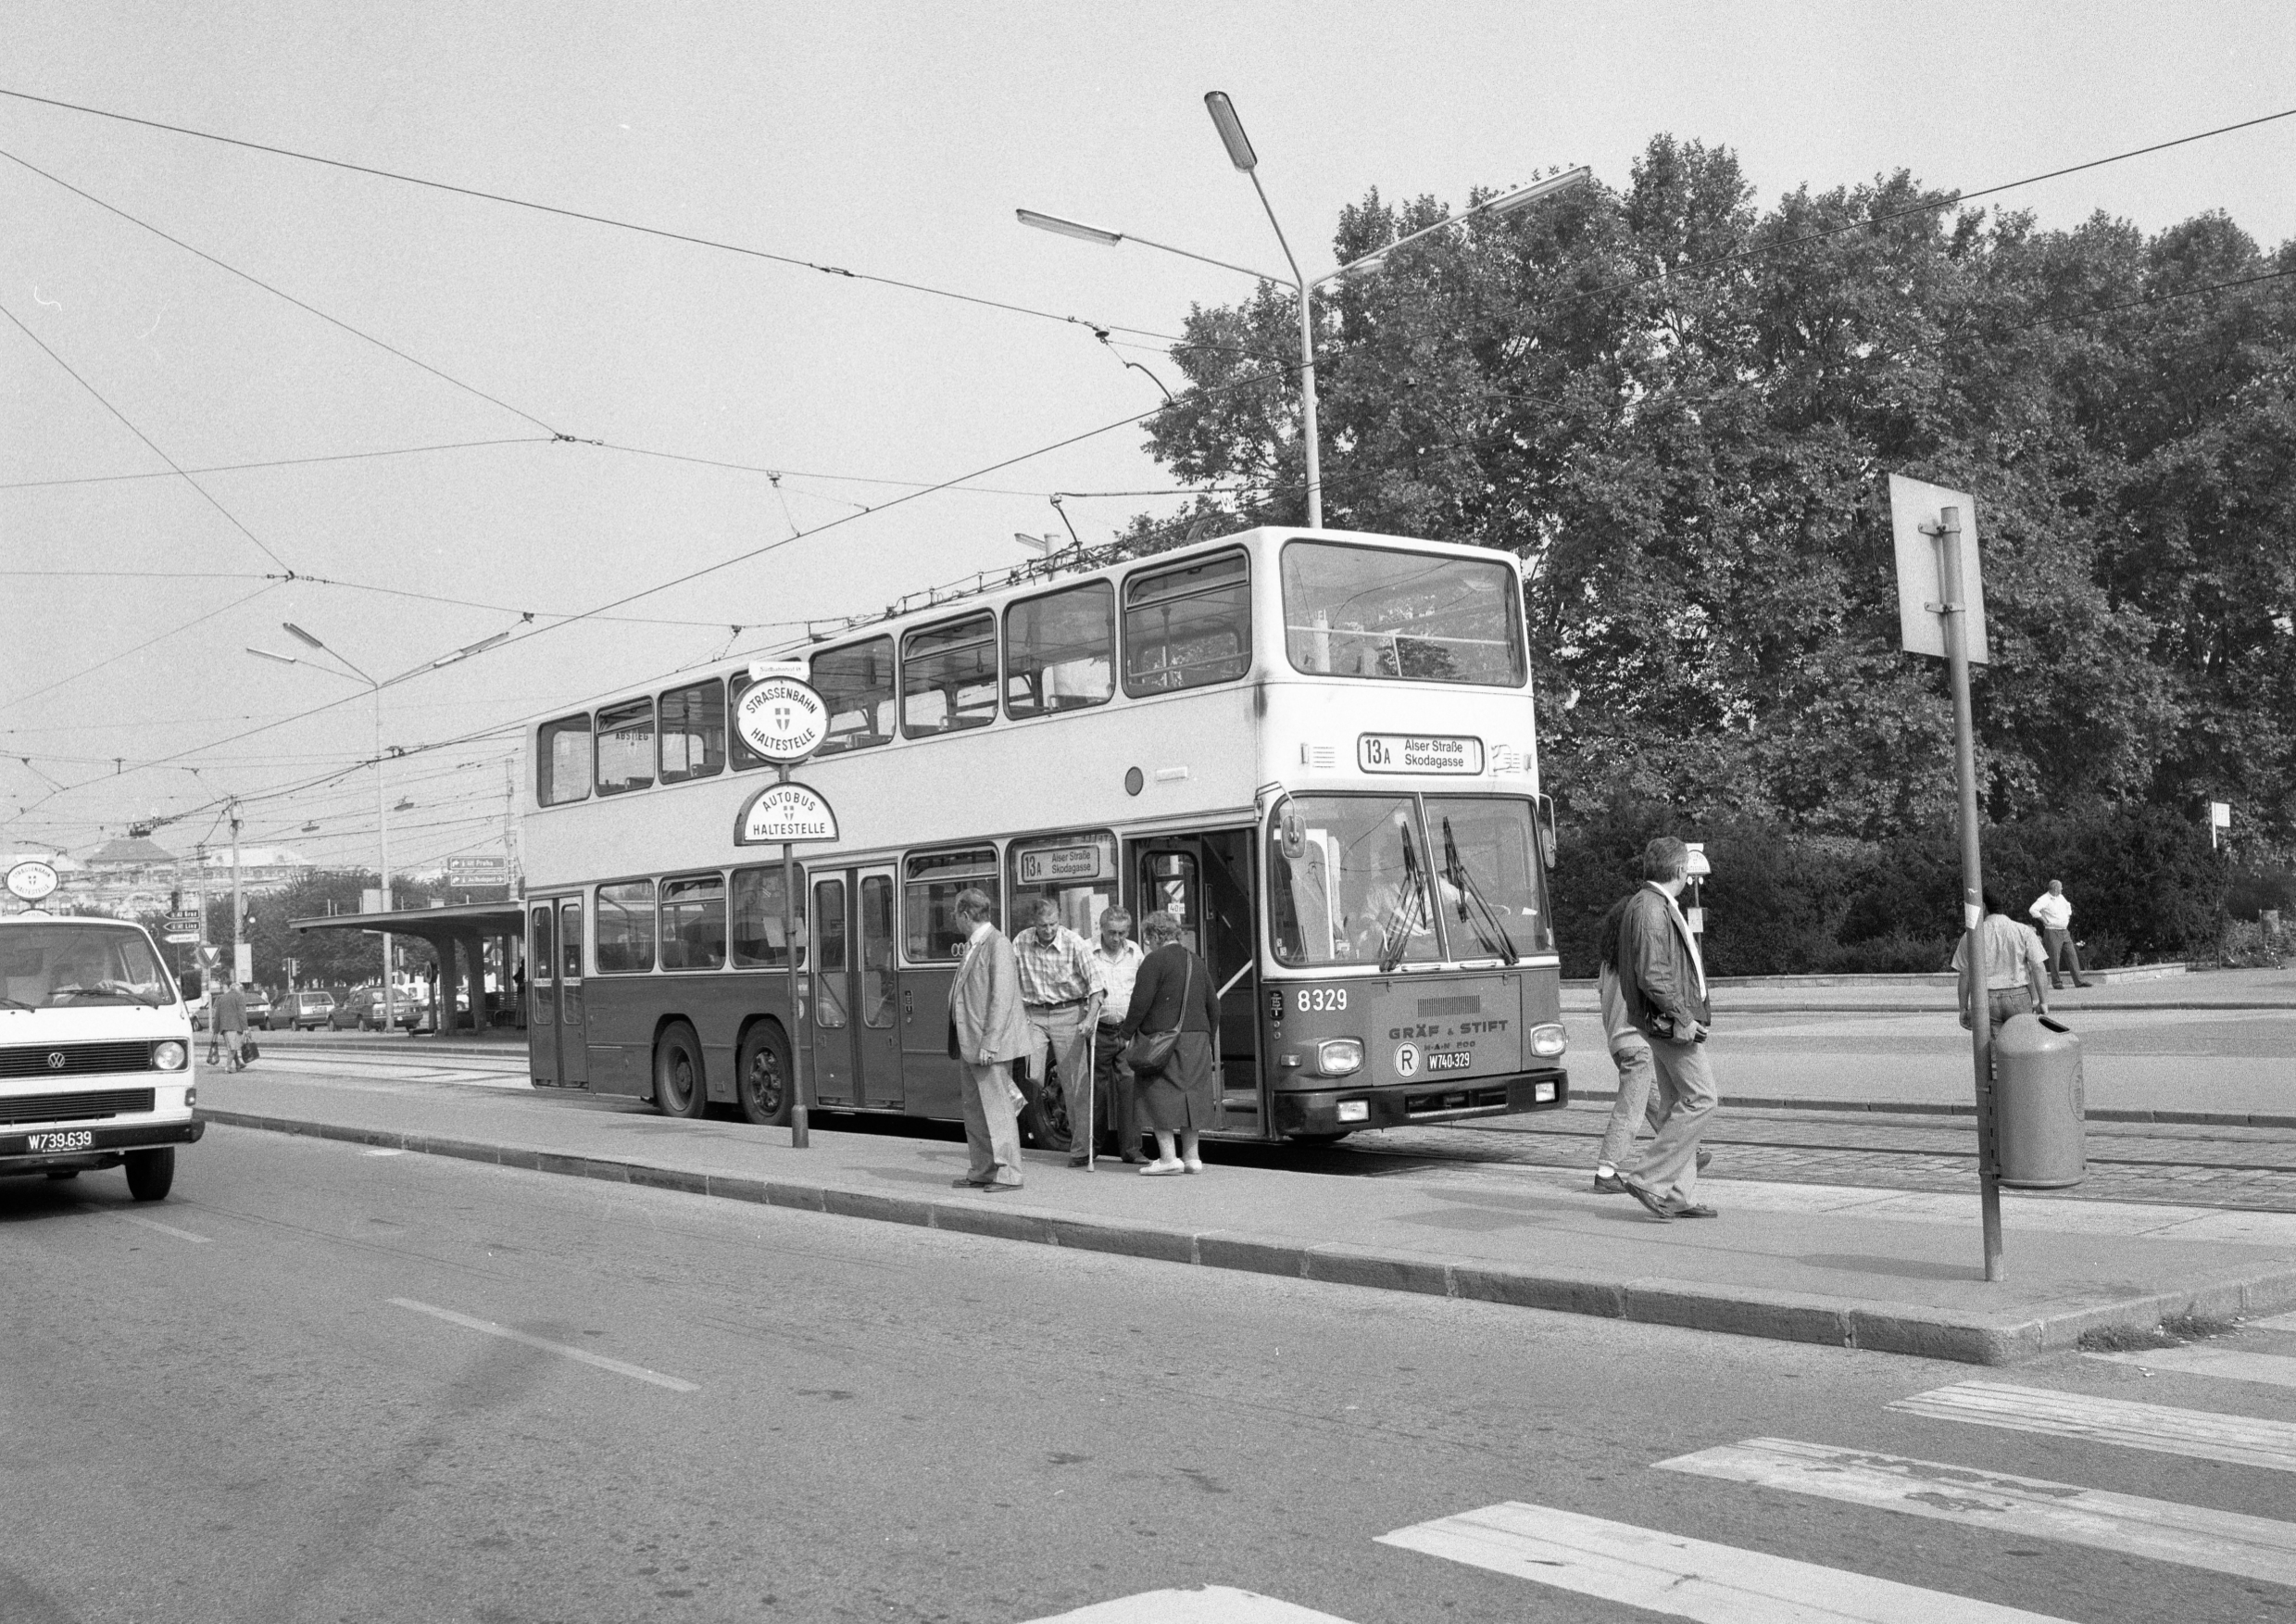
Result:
383,816
1241,155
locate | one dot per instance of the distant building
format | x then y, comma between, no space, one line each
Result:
134,875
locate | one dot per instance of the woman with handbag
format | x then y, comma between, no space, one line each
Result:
1170,1028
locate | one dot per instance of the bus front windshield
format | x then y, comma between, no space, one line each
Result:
62,966
1348,878
1490,877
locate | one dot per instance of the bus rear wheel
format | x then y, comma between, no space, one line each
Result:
679,1088
151,1173
762,1083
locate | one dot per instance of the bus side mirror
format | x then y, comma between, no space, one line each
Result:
1544,805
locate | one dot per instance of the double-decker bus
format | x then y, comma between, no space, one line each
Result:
1312,748
95,1046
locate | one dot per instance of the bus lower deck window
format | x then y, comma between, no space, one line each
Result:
757,926
932,882
624,930
693,921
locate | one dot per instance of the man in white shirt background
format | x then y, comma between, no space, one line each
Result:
2053,910
1119,959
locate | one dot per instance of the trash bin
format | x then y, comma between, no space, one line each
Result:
2038,1104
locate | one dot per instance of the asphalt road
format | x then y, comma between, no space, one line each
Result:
286,1393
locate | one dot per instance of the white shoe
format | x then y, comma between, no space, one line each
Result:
1163,1169
1191,1166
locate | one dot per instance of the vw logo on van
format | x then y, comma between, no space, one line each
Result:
56,1060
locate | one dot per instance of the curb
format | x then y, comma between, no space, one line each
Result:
1780,1316
1754,1103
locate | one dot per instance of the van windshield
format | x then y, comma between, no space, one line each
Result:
54,966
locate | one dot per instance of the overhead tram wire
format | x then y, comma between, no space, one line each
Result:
138,648
27,484
204,494
281,294
550,209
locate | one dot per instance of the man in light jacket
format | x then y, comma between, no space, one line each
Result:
987,1031
1663,983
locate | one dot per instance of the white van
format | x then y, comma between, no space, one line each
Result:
95,1047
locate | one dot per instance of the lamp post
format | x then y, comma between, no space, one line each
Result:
383,816
1241,155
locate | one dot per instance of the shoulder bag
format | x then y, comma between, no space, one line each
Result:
1149,1050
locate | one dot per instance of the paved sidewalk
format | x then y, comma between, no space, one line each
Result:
1869,1268
2140,988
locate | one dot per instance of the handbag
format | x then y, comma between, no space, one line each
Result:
1149,1050
247,1051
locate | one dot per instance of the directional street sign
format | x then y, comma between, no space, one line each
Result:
1915,509
781,719
782,814
181,936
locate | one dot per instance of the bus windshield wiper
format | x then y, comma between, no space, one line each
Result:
1456,871
1407,914
12,1004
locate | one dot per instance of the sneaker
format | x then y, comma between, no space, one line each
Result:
1609,1184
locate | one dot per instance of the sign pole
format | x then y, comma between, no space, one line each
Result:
800,1135
1953,610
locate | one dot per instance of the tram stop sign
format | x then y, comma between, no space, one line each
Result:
32,881
781,719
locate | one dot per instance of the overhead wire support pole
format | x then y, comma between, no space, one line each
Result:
1955,611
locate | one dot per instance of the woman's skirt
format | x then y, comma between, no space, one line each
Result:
1180,1096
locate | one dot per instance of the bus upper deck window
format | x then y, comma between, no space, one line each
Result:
1419,617
562,761
625,747
949,676
692,732
856,683
1061,650
1188,627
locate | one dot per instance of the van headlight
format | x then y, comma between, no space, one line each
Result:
169,1056
1336,1057
1548,1041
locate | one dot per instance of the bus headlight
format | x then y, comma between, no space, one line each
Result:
169,1056
1336,1057
1548,1041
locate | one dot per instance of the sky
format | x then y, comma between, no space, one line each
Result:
893,140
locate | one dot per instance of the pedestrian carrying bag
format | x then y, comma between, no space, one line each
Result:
247,1051
1149,1050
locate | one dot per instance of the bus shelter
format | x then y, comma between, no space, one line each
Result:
458,933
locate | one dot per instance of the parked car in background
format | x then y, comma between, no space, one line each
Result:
258,1002
299,1012
361,1009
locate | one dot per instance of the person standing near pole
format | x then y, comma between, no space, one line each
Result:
1061,995
1119,958
2054,910
1662,981
986,1034
2011,967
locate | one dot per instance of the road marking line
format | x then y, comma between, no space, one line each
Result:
2277,1322
1686,1578
2222,1541
385,1150
580,1355
2199,1433
163,1228
1214,1603
2230,1363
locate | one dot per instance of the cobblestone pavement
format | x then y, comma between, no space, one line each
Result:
2188,1165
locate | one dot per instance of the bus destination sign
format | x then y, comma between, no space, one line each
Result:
1051,864
784,815
1419,753
781,719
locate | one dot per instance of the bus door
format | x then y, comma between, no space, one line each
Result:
876,992
1205,882
831,1028
542,994
573,1017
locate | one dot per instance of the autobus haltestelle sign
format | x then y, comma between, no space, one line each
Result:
784,814
781,719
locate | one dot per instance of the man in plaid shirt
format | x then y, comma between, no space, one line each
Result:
1062,990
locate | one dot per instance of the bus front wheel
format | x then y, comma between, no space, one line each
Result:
763,1080
151,1173
679,1090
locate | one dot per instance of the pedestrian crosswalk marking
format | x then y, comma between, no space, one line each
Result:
1214,1603
1684,1578
2230,1363
2222,1541
2198,1433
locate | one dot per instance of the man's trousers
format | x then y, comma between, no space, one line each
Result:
2057,946
1685,1098
1119,1103
992,1130
1066,1034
